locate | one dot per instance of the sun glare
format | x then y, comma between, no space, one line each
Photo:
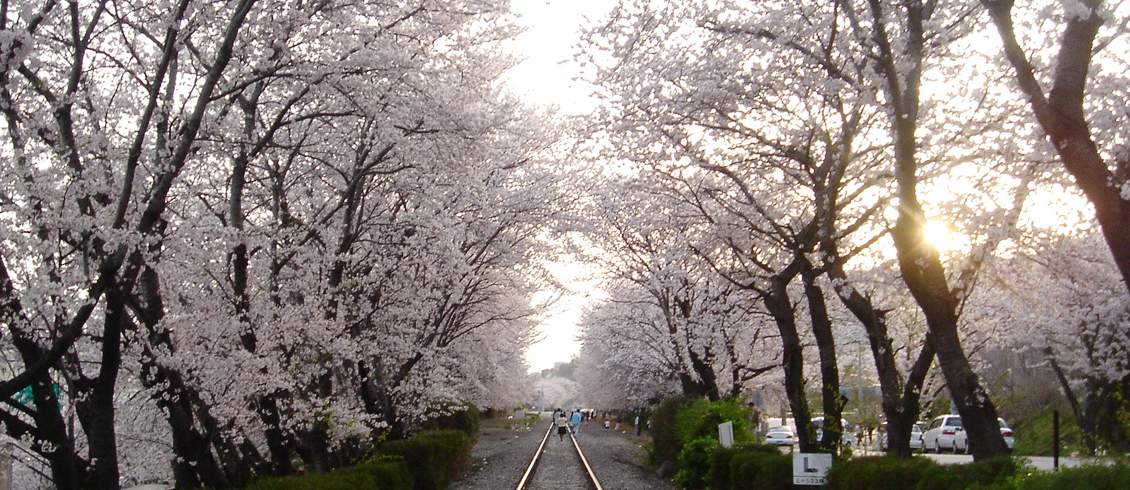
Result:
939,234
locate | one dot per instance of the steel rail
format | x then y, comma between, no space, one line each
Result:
585,463
528,475
534,462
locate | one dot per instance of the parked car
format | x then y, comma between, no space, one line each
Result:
781,435
848,437
961,441
915,437
941,433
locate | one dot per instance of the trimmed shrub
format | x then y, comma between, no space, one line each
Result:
665,443
719,478
760,468
995,472
878,473
329,481
434,458
700,418
695,461
684,435
390,473
1081,478
464,417
383,474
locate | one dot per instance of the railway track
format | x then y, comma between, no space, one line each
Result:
558,466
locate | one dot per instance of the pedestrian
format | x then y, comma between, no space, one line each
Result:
577,419
562,426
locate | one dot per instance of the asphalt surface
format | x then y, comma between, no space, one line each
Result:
1041,463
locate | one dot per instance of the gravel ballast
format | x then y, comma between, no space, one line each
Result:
500,457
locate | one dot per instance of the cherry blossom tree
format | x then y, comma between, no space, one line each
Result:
1077,97
1061,300
789,110
288,226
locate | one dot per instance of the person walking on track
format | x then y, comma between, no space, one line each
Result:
562,426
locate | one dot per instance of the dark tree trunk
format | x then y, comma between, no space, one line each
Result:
708,382
924,275
921,267
1062,116
191,426
95,408
280,442
780,307
900,402
1086,413
833,400
67,469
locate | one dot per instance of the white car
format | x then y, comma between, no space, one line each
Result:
847,438
941,433
915,437
781,436
961,442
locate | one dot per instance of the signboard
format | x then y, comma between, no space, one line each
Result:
726,434
811,468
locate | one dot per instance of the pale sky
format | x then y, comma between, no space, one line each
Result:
559,329
545,78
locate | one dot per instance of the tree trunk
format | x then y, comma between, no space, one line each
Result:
95,406
1061,115
779,305
833,400
57,446
708,382
900,401
924,275
921,267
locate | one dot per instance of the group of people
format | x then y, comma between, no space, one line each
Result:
566,423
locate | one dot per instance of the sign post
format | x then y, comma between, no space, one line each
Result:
811,468
726,434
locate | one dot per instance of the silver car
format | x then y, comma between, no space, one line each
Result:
941,432
847,438
781,436
961,442
915,437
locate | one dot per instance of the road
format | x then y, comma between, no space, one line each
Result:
1042,463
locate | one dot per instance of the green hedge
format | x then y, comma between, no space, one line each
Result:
434,458
879,473
887,473
429,461
666,445
378,474
464,417
1081,478
760,468
695,462
991,473
685,436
